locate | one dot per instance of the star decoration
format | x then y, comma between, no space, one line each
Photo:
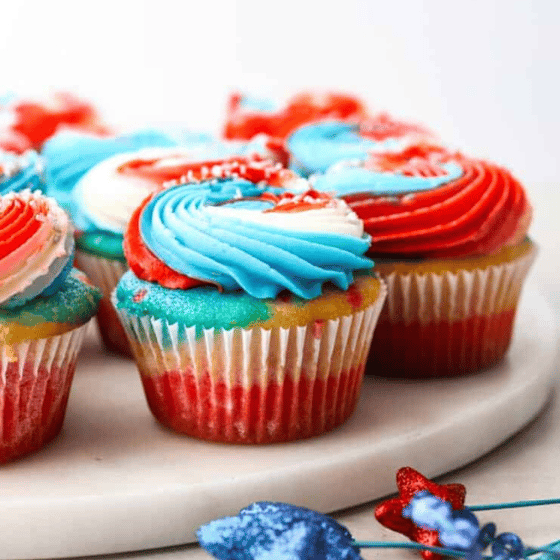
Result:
409,482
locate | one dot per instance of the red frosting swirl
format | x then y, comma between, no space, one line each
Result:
37,121
477,214
19,222
243,123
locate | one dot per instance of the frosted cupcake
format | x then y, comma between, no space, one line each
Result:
249,313
316,147
449,235
248,116
44,308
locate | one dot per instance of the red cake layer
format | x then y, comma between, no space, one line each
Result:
442,349
278,412
32,407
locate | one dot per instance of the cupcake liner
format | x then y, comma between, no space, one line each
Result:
444,324
35,379
105,274
253,385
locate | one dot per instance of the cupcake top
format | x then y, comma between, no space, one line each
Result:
38,120
427,202
69,155
244,235
107,195
248,116
18,172
317,146
36,247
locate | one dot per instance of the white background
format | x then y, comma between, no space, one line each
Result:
482,73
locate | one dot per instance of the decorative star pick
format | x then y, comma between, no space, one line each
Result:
409,483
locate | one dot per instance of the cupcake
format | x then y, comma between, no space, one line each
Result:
37,121
249,310
45,306
315,147
248,116
105,198
449,236
19,172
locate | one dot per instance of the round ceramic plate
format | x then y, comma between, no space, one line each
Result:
115,480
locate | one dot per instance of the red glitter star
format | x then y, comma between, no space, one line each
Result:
409,482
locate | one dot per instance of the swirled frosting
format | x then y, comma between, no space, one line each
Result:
426,203
107,195
18,172
248,116
241,236
317,146
70,155
36,247
38,120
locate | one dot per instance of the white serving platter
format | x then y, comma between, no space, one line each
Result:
116,481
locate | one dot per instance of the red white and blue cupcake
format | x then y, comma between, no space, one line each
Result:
449,237
109,192
45,306
249,310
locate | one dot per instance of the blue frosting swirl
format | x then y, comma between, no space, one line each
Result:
23,172
262,260
69,155
317,146
354,179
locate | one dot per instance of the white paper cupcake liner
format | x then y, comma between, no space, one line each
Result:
447,323
105,274
35,379
253,385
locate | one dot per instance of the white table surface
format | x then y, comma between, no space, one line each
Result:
525,467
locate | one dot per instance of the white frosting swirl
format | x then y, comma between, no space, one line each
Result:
335,217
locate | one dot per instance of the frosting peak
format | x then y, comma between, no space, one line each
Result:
36,247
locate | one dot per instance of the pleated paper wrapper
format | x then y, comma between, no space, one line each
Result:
35,379
105,274
447,324
253,385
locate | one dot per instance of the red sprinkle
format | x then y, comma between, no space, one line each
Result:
354,297
139,295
